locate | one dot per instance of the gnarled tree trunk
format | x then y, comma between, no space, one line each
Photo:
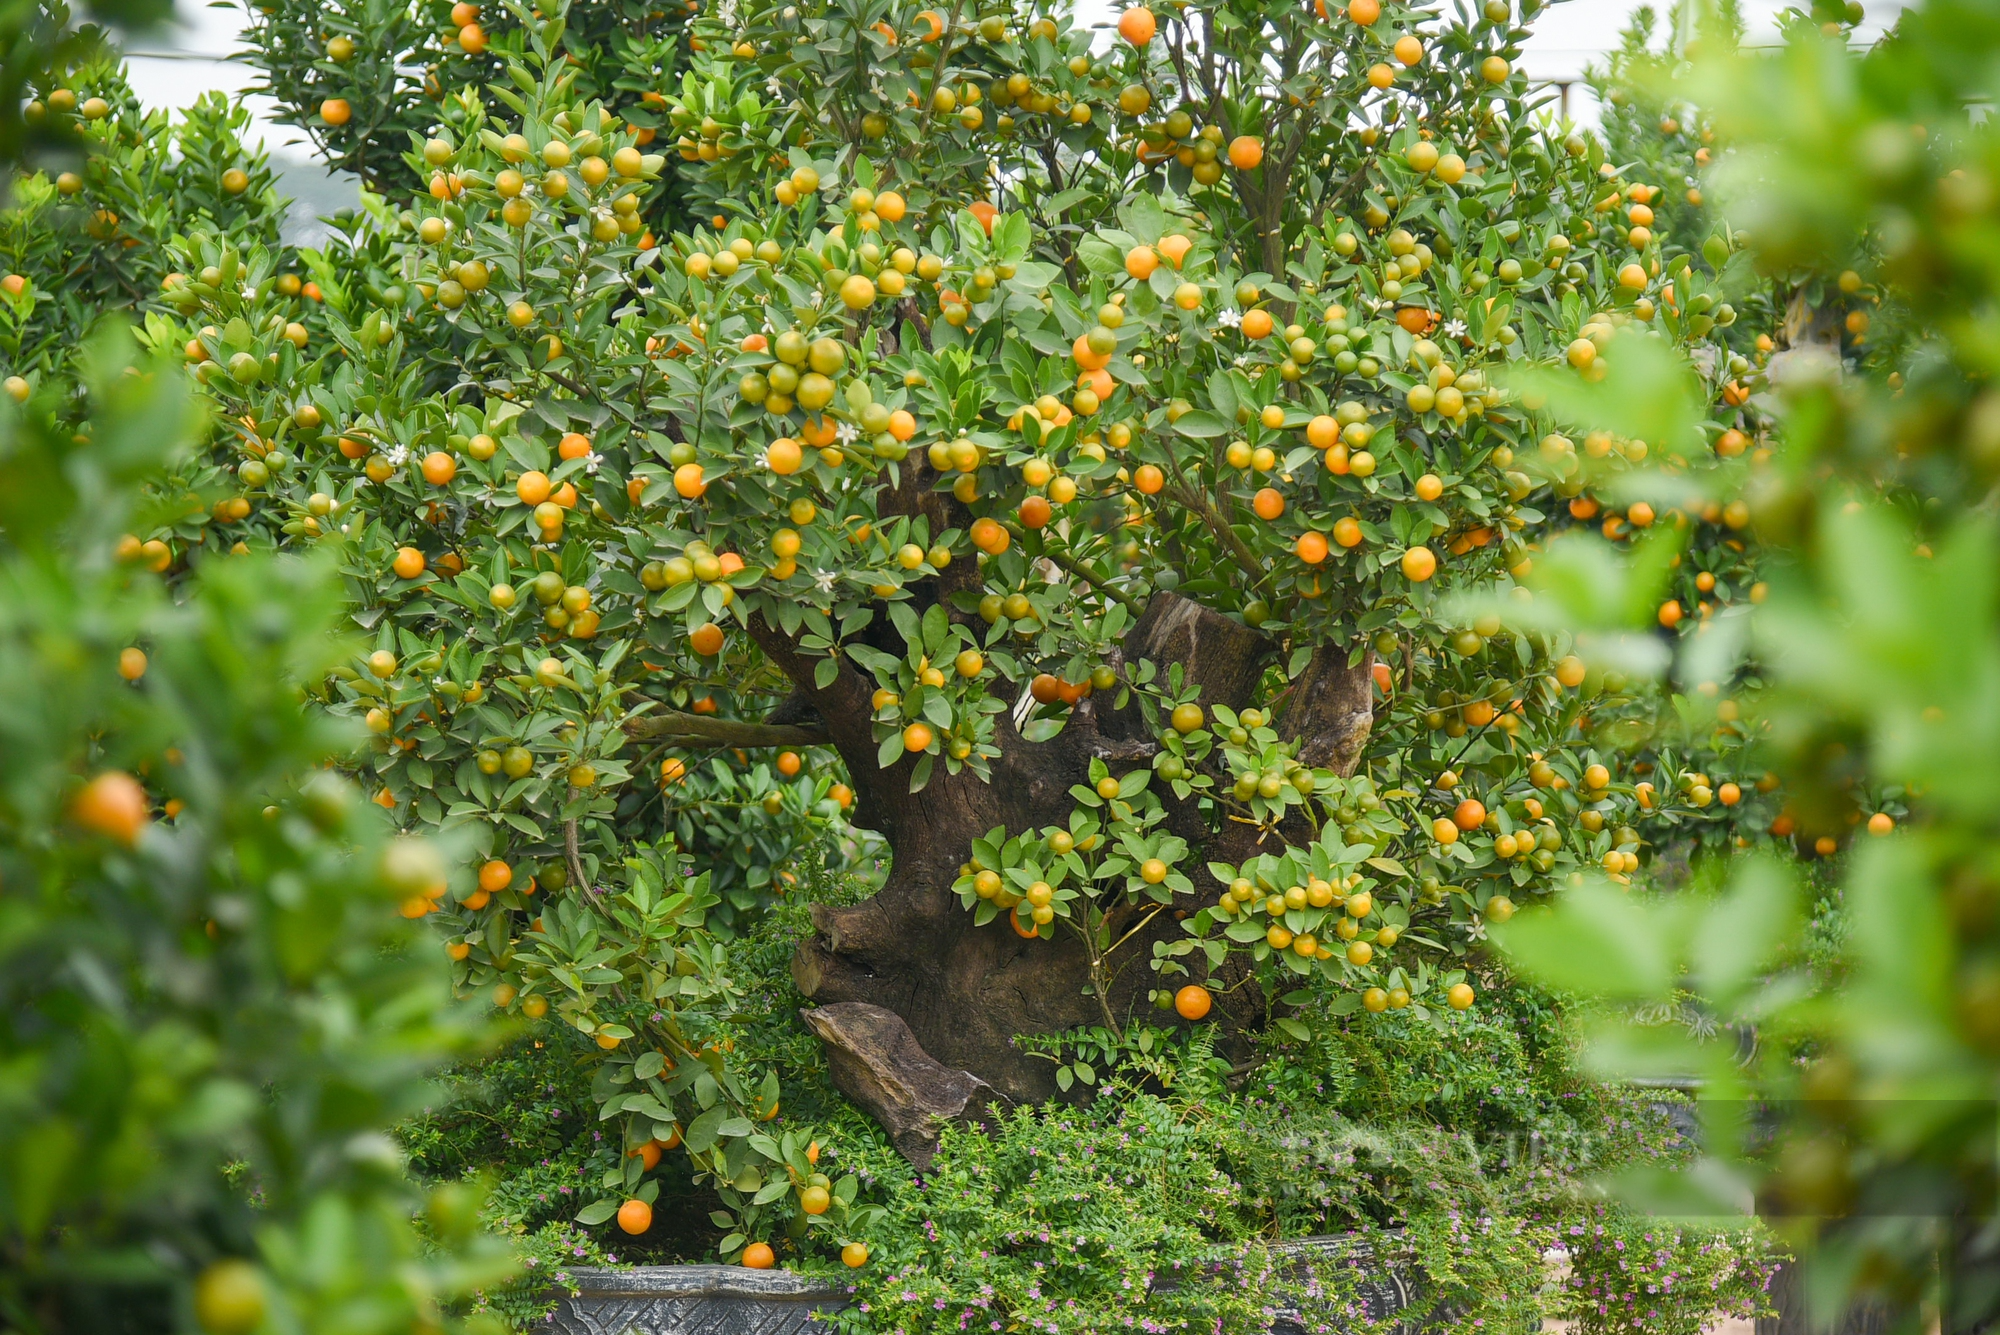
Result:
966,991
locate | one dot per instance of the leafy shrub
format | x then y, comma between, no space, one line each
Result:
1160,1205
200,961
1457,1152
98,233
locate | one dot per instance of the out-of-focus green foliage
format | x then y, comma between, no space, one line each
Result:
1874,675
39,36
210,1012
95,232
159,212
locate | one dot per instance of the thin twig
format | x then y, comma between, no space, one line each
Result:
572,856
1137,927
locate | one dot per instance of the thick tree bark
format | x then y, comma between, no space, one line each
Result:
966,991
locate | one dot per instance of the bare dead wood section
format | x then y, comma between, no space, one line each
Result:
1331,708
876,1061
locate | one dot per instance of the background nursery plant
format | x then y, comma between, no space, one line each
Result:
361,78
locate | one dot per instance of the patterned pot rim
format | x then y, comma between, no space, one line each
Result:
696,1281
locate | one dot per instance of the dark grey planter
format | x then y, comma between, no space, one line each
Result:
691,1300
729,1300
1384,1292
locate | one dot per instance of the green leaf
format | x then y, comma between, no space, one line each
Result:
1598,941
1202,424
1221,395
648,1106
937,709
1143,217
1099,257
702,1132
1048,342
1900,941
1741,933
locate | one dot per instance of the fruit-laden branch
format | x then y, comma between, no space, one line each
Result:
674,728
1075,567
1198,500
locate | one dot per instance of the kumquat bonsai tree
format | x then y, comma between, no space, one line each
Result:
1103,565
1098,487
1081,449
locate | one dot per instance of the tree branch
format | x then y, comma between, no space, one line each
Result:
1121,748
574,856
1075,567
674,728
1194,498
